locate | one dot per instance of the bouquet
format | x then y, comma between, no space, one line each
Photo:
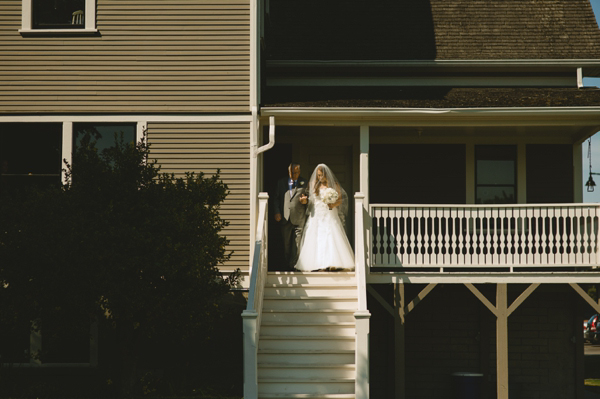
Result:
329,195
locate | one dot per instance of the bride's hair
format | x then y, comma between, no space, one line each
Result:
327,178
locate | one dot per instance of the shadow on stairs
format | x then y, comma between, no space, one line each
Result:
307,340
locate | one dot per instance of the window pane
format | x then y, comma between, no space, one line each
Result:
495,172
30,154
103,134
496,195
58,14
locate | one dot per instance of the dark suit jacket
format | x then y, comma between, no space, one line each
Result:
297,209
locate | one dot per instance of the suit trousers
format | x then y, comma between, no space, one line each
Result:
291,242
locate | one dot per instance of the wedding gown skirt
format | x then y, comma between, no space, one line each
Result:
324,243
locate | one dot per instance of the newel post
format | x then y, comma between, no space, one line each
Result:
250,354
362,315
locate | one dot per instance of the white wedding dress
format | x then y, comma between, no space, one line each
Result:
324,243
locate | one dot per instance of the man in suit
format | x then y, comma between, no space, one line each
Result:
290,212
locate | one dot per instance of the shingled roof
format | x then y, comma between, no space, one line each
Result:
431,30
432,97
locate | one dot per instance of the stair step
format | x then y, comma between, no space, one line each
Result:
307,324
305,351
311,298
351,311
307,365
307,337
306,396
300,371
305,380
306,386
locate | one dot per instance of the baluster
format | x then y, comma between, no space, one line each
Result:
405,244
462,231
579,236
586,237
501,231
571,243
439,237
375,233
544,236
455,237
413,244
528,246
488,250
468,236
394,233
447,256
419,235
562,253
387,237
480,242
523,236
537,259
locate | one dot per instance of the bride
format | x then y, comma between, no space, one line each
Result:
324,244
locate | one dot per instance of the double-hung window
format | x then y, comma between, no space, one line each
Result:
58,16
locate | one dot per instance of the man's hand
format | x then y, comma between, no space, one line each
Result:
303,199
278,217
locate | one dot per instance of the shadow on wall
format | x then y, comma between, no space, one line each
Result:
350,30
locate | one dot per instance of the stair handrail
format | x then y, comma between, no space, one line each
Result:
362,314
252,315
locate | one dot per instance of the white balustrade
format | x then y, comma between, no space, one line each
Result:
498,236
252,315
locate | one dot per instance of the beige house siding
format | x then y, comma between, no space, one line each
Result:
206,147
148,56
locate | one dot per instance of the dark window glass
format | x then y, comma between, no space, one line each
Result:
58,14
417,173
30,154
549,173
103,133
496,174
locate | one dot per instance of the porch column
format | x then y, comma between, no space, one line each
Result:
399,341
364,163
502,340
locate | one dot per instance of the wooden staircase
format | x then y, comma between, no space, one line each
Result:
306,347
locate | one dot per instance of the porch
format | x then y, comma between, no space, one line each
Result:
495,246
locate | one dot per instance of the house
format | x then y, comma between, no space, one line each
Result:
459,123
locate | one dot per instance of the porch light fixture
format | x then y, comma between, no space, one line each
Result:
590,184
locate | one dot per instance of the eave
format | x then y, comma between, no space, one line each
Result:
582,121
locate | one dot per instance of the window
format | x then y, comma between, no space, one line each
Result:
30,154
52,16
496,174
103,133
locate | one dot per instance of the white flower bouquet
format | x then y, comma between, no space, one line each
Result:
329,195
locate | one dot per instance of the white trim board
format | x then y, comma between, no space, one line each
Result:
126,118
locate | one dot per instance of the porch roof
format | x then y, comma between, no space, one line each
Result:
430,97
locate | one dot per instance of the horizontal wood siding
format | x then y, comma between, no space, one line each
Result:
149,56
206,147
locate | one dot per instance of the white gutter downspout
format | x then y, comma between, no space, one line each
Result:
254,124
579,78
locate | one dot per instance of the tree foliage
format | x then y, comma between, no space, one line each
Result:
120,243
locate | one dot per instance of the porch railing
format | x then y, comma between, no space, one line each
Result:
252,315
457,236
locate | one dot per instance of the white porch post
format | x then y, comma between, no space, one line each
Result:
364,163
577,173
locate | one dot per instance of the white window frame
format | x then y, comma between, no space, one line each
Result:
89,25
